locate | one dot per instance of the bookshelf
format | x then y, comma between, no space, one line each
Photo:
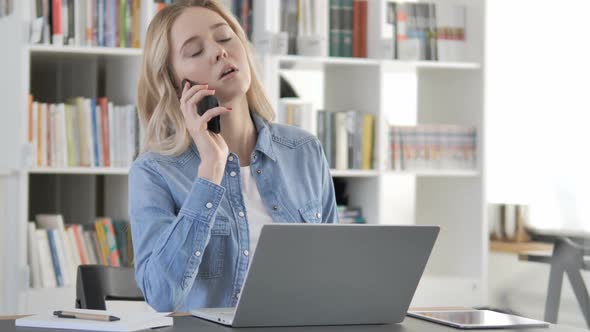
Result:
394,91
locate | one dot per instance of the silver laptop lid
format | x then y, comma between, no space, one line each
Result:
307,274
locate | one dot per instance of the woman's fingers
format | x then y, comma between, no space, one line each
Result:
197,97
188,92
213,112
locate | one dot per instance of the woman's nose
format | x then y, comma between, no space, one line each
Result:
220,52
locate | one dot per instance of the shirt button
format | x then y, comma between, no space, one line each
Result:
259,171
231,158
198,253
232,173
246,253
319,215
209,205
276,207
241,214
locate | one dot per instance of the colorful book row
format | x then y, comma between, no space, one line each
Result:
432,147
55,250
106,23
347,138
85,132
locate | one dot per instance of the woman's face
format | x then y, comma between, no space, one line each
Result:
206,50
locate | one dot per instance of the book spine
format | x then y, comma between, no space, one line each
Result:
367,141
341,140
335,28
104,128
101,243
113,251
356,27
56,22
135,19
122,23
52,238
77,231
45,259
364,12
346,28
128,23
111,135
94,133
33,257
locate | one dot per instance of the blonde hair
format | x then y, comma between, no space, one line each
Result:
164,126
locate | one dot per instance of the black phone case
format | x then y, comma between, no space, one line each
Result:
207,103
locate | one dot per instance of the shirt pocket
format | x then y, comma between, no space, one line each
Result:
311,212
213,258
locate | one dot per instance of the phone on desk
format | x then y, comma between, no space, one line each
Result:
207,103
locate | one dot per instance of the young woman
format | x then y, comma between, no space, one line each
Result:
198,200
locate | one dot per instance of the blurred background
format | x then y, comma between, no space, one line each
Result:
468,114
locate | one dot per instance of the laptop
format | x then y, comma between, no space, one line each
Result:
325,274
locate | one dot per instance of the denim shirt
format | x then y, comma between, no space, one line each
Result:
190,236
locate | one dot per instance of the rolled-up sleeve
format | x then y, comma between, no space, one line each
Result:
168,246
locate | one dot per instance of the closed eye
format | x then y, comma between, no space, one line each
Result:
196,54
225,40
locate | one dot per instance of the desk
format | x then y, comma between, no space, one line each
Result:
191,324
568,257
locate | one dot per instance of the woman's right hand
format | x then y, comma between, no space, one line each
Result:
212,147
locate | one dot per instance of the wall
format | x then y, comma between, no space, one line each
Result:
537,115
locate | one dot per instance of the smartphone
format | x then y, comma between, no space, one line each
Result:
207,103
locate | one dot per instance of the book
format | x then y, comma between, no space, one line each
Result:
57,256
346,26
105,23
129,321
334,36
60,247
82,133
297,112
113,250
33,256
432,147
56,22
48,279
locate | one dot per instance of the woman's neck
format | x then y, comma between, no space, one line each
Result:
238,130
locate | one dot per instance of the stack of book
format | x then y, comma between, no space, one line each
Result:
297,112
348,28
304,24
85,132
347,138
55,249
107,23
242,10
432,147
350,215
427,31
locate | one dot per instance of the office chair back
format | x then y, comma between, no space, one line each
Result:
97,283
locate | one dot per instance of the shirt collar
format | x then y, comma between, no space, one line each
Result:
263,142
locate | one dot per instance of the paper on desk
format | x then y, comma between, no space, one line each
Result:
130,321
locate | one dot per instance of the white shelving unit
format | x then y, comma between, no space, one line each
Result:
396,92
410,93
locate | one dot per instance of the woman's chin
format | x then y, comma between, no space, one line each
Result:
228,95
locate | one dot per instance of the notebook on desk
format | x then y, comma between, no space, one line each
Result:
129,321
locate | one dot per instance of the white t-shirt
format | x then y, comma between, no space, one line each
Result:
255,210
